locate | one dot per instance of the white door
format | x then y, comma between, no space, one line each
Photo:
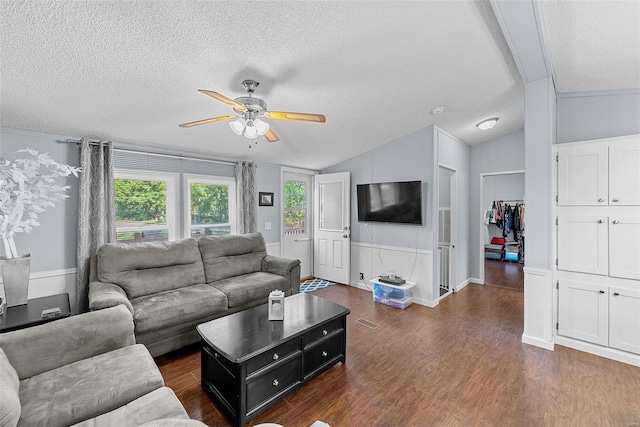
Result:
624,172
583,311
583,175
624,319
296,214
583,244
332,227
624,247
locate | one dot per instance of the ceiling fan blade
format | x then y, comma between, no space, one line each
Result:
205,121
230,102
271,136
288,115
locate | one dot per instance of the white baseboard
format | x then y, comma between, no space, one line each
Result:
537,342
609,353
476,280
459,287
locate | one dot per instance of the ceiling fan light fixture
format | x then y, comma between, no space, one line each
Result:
237,126
251,132
261,126
487,124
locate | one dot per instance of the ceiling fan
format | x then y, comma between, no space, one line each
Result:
249,111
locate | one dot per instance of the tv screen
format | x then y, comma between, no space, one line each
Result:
394,202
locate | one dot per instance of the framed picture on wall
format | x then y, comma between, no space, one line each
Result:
265,199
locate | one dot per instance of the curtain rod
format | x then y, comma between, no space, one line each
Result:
173,156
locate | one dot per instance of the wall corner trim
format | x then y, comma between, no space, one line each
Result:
547,345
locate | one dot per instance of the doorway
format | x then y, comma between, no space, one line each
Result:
297,190
502,237
447,202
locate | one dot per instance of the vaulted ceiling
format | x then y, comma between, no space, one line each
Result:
128,71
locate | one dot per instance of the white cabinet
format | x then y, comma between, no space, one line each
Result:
624,319
624,247
624,174
583,311
583,175
582,244
602,173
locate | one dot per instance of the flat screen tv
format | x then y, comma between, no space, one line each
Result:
392,202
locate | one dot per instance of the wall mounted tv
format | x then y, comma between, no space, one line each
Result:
392,202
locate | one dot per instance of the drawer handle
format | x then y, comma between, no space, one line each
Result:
275,383
324,332
602,292
615,221
616,294
615,199
324,354
275,356
601,199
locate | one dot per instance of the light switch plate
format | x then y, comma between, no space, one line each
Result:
267,226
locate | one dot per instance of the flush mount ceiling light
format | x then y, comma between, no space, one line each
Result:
487,124
437,110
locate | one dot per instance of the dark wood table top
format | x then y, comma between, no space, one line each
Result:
240,336
29,314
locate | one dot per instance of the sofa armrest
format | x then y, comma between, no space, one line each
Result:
42,348
104,295
285,267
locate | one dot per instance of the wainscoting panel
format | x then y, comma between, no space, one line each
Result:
538,308
45,283
273,249
374,260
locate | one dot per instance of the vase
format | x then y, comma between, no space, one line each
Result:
15,278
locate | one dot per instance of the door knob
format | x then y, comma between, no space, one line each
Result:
346,236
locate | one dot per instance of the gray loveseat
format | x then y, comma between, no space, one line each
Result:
84,369
170,287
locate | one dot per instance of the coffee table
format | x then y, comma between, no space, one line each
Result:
250,363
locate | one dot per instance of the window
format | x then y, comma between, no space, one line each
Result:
210,206
295,207
145,206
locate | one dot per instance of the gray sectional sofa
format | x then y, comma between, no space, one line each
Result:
170,287
83,370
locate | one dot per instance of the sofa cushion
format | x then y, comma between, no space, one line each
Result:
250,287
89,387
146,268
177,306
157,405
9,393
229,256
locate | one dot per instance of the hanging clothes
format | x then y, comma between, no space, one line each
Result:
492,216
521,217
508,220
499,214
516,221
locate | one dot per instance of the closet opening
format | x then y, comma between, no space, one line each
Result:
447,226
503,229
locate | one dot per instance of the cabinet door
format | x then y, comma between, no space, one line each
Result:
583,311
583,175
624,247
624,172
624,320
582,243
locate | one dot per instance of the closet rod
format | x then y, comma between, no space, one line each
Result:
517,201
172,156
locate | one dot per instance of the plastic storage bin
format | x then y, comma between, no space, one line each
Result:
395,296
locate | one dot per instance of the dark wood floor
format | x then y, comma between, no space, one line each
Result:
506,274
461,363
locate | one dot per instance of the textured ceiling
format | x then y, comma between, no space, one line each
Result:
595,45
128,71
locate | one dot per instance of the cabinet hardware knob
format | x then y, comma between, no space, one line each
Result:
216,355
275,383
616,294
324,332
324,354
275,356
601,199
615,221
615,199
600,221
602,292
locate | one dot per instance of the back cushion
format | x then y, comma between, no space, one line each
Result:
10,407
147,268
229,256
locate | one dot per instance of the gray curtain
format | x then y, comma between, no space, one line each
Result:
96,211
246,197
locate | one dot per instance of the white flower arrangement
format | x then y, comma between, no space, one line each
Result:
27,188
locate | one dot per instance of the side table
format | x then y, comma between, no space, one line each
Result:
30,314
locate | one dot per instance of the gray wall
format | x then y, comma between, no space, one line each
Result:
406,159
52,245
597,115
499,155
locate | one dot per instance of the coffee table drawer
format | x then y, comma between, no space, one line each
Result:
272,356
273,383
322,331
324,352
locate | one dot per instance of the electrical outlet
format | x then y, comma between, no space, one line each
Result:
361,276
